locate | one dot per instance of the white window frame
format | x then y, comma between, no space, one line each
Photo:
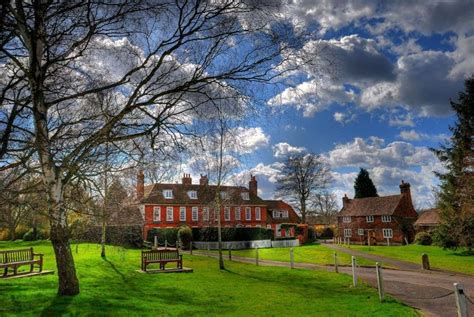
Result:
182,213
387,233
360,232
169,214
386,218
369,218
245,196
347,233
192,194
226,213
269,226
346,219
284,214
205,214
237,213
248,214
195,213
168,193
258,213
276,214
156,214
223,195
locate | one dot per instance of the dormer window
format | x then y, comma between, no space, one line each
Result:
192,194
245,196
168,193
346,219
223,195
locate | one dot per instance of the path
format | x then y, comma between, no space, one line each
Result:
431,292
402,265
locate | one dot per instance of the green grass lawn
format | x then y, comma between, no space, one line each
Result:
457,261
310,253
114,287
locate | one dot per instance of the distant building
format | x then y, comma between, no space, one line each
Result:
428,220
387,219
173,205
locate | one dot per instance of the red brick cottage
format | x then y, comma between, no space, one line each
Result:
387,219
173,205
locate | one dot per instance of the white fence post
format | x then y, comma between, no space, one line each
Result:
378,269
354,273
460,300
155,244
230,253
166,243
191,248
292,259
256,256
336,268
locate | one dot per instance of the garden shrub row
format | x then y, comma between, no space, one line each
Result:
210,234
127,236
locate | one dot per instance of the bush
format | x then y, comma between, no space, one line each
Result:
232,234
126,236
311,234
185,235
20,231
423,238
325,233
163,234
33,235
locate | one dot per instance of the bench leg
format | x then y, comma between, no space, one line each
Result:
32,266
15,270
5,271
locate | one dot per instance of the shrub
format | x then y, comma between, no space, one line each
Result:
423,238
4,235
163,234
327,233
232,234
311,234
127,236
185,235
20,231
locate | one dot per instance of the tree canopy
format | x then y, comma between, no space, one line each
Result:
363,185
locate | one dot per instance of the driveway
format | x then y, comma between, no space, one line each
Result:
429,291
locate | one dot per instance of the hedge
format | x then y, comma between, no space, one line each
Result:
210,234
127,236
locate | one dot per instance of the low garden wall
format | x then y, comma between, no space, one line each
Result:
285,243
236,245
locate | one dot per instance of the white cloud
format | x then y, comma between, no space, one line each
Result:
412,135
270,171
283,149
250,139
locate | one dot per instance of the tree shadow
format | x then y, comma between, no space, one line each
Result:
112,265
464,253
58,306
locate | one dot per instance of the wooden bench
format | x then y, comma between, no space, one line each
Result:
16,258
162,256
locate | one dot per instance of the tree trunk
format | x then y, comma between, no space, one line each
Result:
12,233
68,282
219,238
303,211
102,239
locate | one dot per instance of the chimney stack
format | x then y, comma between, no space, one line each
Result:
203,181
253,186
187,180
140,189
405,189
345,200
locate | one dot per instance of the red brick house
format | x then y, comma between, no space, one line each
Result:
173,205
383,220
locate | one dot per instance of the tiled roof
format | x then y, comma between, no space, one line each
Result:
429,217
371,206
205,194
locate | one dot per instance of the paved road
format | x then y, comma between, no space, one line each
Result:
429,291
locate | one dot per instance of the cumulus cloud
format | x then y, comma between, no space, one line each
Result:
250,139
412,135
283,149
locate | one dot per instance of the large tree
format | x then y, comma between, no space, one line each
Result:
363,185
157,61
303,177
456,192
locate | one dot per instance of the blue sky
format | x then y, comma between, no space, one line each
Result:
386,102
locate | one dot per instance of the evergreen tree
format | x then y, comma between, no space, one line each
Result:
363,185
456,192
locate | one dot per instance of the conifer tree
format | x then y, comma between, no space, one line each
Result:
456,192
363,185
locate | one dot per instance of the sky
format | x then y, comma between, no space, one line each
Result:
384,103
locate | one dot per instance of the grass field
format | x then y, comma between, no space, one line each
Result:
456,261
114,287
310,253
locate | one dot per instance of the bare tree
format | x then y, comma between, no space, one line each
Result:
302,177
324,205
160,61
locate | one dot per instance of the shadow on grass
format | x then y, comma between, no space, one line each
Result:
112,265
58,306
464,253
